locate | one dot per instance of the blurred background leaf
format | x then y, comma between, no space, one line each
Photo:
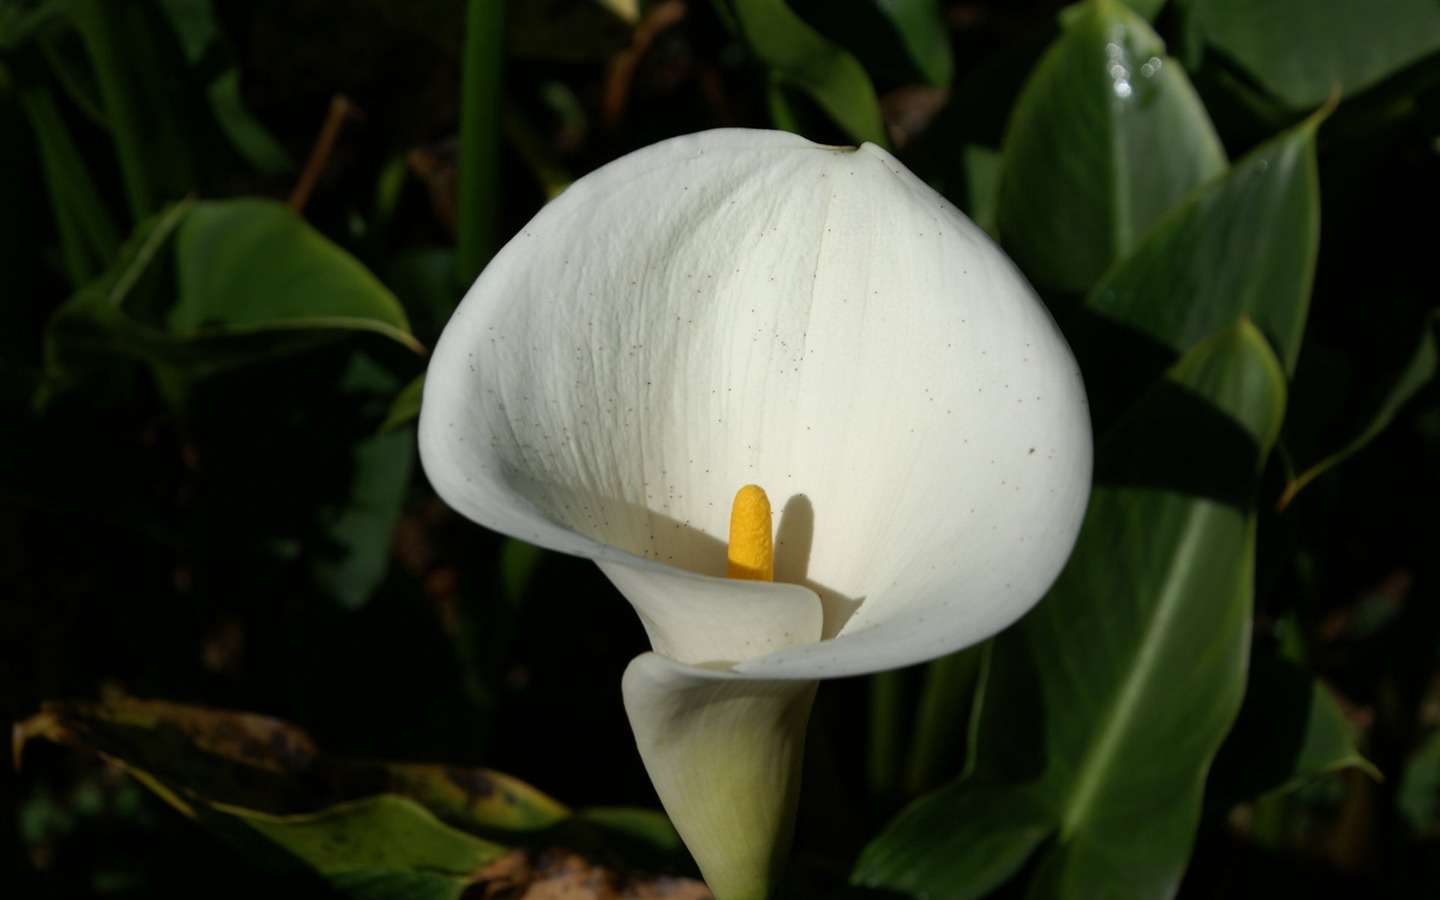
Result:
372,829
1302,52
803,64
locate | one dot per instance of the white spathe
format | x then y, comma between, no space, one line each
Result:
746,307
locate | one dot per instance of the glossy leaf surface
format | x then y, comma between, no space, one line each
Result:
1106,138
1245,245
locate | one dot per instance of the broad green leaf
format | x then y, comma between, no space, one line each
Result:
1244,246
960,842
254,282
386,835
1106,138
1147,9
1105,705
799,58
1289,731
1418,372
1303,51
250,265
476,799
266,765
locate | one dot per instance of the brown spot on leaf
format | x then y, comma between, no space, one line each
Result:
474,782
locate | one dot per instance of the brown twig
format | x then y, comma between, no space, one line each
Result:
658,18
340,110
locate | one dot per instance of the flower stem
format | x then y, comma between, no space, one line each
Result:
945,700
479,165
887,692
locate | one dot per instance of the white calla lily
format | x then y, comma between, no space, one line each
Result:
746,307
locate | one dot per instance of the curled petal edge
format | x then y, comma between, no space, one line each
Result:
716,622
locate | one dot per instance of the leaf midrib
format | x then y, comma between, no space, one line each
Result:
1091,773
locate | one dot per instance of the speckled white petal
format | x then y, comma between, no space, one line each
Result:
724,755
742,307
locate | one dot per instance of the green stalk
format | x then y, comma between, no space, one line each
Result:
944,703
887,694
97,26
479,165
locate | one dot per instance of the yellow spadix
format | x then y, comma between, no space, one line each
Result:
752,551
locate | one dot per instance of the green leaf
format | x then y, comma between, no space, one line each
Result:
1418,799
1245,246
235,759
252,282
374,830
1290,730
1418,372
1105,705
800,58
20,23
383,835
250,139
358,529
251,265
406,407
1146,9
1106,138
920,26
960,842
478,800
1302,51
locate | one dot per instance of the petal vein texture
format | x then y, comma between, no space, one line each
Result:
746,307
